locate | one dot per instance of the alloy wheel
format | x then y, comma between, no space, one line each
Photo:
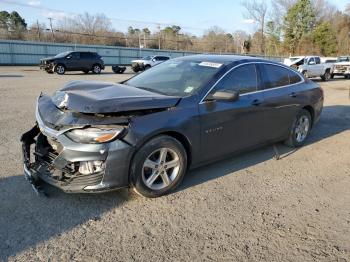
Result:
97,69
302,128
60,69
160,168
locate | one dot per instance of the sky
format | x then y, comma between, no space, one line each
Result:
194,16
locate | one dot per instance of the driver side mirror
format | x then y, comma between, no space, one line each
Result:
153,59
68,57
223,95
312,63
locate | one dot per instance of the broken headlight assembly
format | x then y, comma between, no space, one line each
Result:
94,135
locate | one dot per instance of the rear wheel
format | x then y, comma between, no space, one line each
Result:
300,129
158,167
96,69
60,69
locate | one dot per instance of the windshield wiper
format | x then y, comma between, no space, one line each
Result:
151,90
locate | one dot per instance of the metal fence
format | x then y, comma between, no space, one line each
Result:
13,52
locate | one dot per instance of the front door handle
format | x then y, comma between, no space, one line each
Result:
256,102
293,94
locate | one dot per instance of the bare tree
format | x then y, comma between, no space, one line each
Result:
257,10
347,8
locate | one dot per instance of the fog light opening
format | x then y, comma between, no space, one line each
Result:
91,167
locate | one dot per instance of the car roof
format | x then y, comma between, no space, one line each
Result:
224,59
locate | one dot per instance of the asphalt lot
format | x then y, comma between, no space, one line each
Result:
247,208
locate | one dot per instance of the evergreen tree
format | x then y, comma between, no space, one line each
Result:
325,38
299,21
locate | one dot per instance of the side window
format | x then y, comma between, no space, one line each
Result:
242,79
318,60
273,76
85,55
76,55
164,58
294,77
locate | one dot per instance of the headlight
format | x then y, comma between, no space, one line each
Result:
94,135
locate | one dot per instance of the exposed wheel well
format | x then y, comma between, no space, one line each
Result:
184,141
179,137
96,64
311,111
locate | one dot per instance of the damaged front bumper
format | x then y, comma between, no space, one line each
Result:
73,167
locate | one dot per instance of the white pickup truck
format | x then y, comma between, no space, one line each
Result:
342,67
311,66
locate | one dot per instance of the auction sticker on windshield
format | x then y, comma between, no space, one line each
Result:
210,64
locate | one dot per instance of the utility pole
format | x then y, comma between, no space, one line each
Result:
38,29
53,35
159,36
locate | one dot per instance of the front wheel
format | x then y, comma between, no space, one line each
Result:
60,69
85,71
158,167
300,129
306,74
326,76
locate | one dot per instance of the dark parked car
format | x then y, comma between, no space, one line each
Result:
149,130
73,61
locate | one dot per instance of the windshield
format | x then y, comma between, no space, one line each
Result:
292,59
175,77
62,54
146,58
343,59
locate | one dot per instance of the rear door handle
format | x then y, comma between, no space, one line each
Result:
293,94
256,102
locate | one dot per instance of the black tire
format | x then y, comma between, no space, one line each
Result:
96,69
292,140
49,71
138,171
135,69
326,76
86,71
147,67
332,76
305,74
60,69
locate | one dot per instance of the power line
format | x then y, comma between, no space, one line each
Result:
43,8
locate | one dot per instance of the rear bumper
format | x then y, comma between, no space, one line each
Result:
61,169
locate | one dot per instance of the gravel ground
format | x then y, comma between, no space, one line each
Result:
247,208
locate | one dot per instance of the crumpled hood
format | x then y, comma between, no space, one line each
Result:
102,97
139,61
47,58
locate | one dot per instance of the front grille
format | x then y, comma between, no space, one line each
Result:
341,67
46,154
85,180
